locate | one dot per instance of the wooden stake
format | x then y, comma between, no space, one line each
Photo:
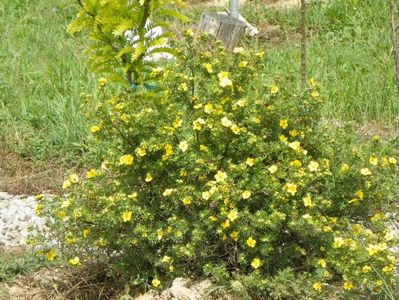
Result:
303,45
392,21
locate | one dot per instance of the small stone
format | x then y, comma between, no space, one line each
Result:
4,204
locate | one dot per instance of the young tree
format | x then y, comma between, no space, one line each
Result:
392,21
303,45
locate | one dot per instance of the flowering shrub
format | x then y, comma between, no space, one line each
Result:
226,173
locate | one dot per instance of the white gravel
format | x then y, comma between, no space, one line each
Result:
16,216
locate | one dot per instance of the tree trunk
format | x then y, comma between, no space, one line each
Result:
392,21
303,45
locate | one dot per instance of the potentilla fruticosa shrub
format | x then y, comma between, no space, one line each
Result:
223,171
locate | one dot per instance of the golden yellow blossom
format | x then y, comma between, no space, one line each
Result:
243,64
295,145
74,261
246,194
235,129
322,263
232,215
313,166
307,201
317,286
95,128
338,242
50,255
208,68
251,242
347,286
91,174
250,161
148,178
206,195
220,176
155,282
127,216
224,80
167,192
234,235
345,168
392,161
177,123
290,188
141,152
274,89
373,160
225,224
272,169
283,123
183,87
126,160
365,172
256,262
186,201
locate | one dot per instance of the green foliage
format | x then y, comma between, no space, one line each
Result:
24,263
222,172
107,21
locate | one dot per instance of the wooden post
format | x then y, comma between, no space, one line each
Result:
393,25
225,28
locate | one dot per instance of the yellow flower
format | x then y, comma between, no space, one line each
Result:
243,64
317,286
208,67
272,169
307,201
389,236
360,194
155,283
356,228
38,209
74,261
141,152
67,183
50,256
208,108
232,215
274,89
91,174
338,242
313,166
246,194
392,161
291,188
235,129
234,235
168,149
295,145
372,249
126,160
365,172
62,214
183,146
212,219
203,148
74,178
283,123
241,102
102,81
177,123
294,132
148,178
322,263
94,129
251,242
366,269
183,87
373,160
186,201
220,176
345,168
167,192
347,286
314,94
250,161
206,195
127,216
256,263
86,233
159,234
224,79
387,269
226,122
225,224
282,138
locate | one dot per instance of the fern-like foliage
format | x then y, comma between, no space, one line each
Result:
111,51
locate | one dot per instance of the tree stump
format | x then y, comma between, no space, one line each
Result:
223,27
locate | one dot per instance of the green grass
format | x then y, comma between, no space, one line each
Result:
42,69
42,73
348,54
